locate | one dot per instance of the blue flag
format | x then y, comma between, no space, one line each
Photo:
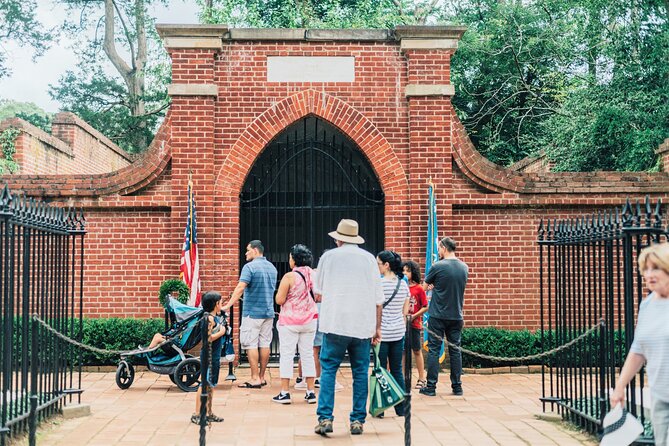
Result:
431,256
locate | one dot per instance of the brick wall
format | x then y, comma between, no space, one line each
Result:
73,147
397,110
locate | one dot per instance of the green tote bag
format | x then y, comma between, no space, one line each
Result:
384,392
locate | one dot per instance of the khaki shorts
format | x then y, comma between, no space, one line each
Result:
255,333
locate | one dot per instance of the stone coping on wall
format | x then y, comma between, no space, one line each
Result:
72,119
177,36
496,178
38,134
138,175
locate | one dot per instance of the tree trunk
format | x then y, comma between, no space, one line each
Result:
133,76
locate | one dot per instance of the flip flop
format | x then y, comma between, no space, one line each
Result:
248,385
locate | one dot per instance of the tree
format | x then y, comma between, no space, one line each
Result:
317,13
585,80
18,22
120,108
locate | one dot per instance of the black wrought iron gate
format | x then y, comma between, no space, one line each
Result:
306,180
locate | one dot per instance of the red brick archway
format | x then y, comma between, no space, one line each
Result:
232,174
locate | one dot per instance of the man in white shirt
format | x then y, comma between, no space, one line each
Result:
349,284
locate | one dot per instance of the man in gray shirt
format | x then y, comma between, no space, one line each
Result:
449,278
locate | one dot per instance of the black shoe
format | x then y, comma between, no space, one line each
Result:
428,392
457,391
310,398
282,399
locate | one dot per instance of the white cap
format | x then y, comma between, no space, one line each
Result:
620,428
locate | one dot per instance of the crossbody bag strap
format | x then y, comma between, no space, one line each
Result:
394,293
305,283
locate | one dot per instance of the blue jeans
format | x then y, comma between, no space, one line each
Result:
332,353
452,330
390,357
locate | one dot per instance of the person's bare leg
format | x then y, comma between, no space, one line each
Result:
264,360
420,364
299,368
317,361
157,339
252,355
285,385
310,383
197,400
210,400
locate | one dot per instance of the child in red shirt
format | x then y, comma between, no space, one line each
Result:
417,307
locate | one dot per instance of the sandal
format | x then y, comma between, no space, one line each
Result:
195,419
214,418
420,384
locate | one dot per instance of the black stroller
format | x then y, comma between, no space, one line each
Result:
172,358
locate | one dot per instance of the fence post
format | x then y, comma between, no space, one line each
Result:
204,384
407,384
603,403
33,382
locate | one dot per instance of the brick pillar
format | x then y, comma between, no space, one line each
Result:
428,51
663,152
194,93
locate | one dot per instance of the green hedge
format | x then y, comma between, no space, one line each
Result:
515,343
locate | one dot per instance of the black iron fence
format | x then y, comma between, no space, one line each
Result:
589,271
41,272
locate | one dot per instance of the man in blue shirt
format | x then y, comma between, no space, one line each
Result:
257,283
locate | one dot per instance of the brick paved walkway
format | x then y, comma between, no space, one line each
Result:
495,410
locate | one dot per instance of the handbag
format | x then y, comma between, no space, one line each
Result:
384,392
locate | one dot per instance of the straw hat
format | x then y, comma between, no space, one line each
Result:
347,231
620,428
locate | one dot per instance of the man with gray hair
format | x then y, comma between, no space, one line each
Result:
349,284
449,278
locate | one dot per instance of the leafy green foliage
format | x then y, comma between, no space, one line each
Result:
117,334
586,81
18,22
7,143
173,285
312,13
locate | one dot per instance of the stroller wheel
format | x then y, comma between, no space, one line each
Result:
187,374
125,375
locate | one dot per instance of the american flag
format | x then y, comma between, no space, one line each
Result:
190,263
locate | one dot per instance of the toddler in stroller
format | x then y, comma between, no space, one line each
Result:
172,358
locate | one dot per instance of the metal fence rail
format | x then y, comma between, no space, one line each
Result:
41,271
588,271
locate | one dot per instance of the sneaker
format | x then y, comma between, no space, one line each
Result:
300,383
282,398
323,427
457,391
317,384
428,392
310,398
356,428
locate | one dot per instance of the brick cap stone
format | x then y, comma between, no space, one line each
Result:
429,90
76,411
192,90
429,44
193,42
430,32
180,30
224,32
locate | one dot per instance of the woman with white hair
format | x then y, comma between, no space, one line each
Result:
651,340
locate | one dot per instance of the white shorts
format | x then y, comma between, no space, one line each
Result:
255,333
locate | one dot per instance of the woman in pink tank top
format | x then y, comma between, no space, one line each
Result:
297,323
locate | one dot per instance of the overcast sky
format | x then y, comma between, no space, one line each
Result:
30,80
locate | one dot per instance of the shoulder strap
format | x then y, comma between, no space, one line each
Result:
305,283
394,293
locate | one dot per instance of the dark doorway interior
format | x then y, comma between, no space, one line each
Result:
306,180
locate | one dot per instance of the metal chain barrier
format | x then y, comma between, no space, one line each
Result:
547,353
101,351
